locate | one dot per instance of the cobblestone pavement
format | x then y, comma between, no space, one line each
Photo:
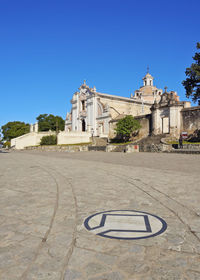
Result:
46,196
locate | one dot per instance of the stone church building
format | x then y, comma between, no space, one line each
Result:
96,114
158,112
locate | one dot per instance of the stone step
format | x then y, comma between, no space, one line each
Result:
97,141
154,139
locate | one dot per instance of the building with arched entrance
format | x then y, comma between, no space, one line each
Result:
98,113
92,111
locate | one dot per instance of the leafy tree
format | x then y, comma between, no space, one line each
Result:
192,83
49,140
126,126
50,122
14,129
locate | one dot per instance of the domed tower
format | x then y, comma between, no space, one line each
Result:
148,92
148,80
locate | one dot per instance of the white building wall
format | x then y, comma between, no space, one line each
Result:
29,139
156,122
89,115
94,115
73,137
77,113
175,120
34,138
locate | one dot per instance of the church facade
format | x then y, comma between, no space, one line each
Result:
96,112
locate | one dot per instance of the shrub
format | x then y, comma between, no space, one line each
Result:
6,144
49,140
126,127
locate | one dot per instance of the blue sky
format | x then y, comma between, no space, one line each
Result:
47,49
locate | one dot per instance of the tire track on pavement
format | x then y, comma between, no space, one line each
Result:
129,180
74,235
45,237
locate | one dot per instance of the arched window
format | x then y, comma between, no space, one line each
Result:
83,105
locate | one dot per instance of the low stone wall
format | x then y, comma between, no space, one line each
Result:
122,148
63,137
145,122
58,148
97,148
190,119
29,139
85,148
155,148
189,146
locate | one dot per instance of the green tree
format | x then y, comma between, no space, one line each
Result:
14,129
50,122
126,126
192,83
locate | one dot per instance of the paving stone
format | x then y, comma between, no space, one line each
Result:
94,268
72,275
193,275
109,276
46,197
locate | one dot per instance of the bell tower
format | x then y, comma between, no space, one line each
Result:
148,79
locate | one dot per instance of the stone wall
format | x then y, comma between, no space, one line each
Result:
155,148
122,148
191,146
59,148
127,106
85,148
34,138
145,122
29,139
190,119
145,130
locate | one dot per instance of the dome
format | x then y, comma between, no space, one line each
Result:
148,80
148,76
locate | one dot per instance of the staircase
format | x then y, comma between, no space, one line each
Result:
153,139
98,144
96,141
151,143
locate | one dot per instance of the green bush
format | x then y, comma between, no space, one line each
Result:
6,144
126,127
49,140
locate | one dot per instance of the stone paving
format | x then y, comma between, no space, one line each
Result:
46,197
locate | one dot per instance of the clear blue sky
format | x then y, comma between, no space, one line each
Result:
47,49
